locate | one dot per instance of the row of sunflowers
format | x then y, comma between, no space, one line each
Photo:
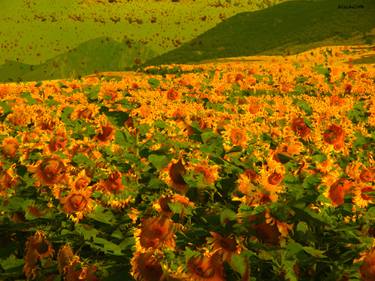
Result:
257,169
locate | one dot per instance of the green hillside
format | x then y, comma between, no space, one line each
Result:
285,28
100,54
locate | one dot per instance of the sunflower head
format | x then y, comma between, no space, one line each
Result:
9,147
334,135
300,128
64,258
37,247
77,202
176,172
113,184
367,269
225,246
338,190
51,170
157,232
206,268
146,267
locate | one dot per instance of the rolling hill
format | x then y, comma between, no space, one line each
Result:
100,54
288,27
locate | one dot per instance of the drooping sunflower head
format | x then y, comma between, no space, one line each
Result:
50,171
156,232
334,135
37,248
225,246
9,147
113,184
367,269
206,268
146,267
77,202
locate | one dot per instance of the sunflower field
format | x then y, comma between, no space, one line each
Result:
242,169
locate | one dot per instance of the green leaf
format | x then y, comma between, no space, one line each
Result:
11,262
29,99
107,247
158,161
304,106
314,252
6,107
103,215
302,227
227,215
82,160
239,263
66,114
154,83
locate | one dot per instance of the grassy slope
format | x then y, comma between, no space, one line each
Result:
33,31
292,26
100,54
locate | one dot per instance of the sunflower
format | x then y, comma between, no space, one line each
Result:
105,133
363,195
77,203
265,228
225,246
113,184
8,179
367,175
238,137
334,135
367,269
338,190
173,175
155,233
210,172
206,268
37,248
64,257
146,267
271,180
77,270
82,180
161,205
9,147
300,128
50,171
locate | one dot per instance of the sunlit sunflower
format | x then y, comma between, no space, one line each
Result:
146,267
225,246
265,228
77,270
8,179
155,233
367,175
206,268
173,175
81,181
367,269
49,171
77,203
334,135
338,190
271,180
363,195
9,147
37,248
210,172
113,184
161,205
300,128
105,133
64,257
